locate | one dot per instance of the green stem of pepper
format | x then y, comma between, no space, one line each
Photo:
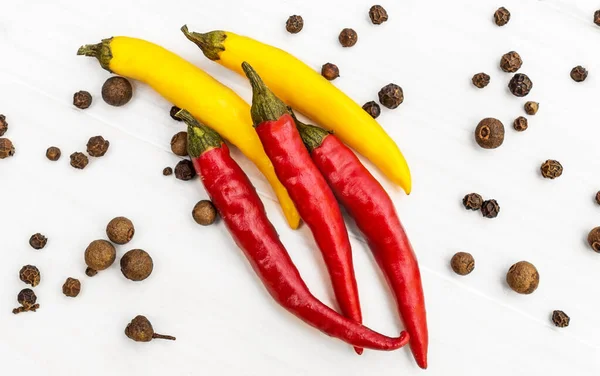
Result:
100,51
311,136
200,137
265,105
210,43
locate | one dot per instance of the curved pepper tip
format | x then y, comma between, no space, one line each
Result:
359,350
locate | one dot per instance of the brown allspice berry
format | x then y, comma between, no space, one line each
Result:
348,37
462,263
598,197
560,319
140,330
28,301
71,287
531,108
551,169
520,124
38,241
99,255
120,230
511,62
294,24
97,146
79,160
3,125
472,201
330,71
174,110
53,153
204,213
489,133
501,16
520,85
372,108
184,170
378,14
391,96
7,149
117,91
594,239
481,80
30,275
179,144
82,99
579,73
490,209
597,17
136,265
167,171
523,277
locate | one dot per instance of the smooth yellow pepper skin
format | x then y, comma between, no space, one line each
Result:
305,90
190,88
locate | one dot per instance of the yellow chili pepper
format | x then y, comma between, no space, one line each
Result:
304,89
190,88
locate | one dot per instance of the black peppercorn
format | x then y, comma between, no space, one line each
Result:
520,124
378,14
523,277
3,125
597,17
598,198
511,62
391,96
38,241
462,263
473,201
594,239
520,85
97,146
79,160
184,170
490,209
173,112
294,24
560,319
348,38
140,330
531,108
7,149
99,255
551,169
82,99
501,16
30,275
117,91
204,213
53,153
481,80
372,109
28,301
136,265
179,144
579,73
489,133
330,71
167,171
120,230
71,287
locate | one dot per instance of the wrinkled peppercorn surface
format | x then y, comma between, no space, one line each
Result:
490,209
97,146
560,319
501,16
481,80
391,96
511,62
30,275
372,108
71,287
82,99
167,171
53,153
38,241
579,73
3,125
7,149
378,14
473,201
520,85
79,160
348,38
294,24
531,108
330,71
185,170
520,124
551,169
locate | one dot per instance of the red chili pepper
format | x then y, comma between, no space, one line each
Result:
367,202
309,191
244,215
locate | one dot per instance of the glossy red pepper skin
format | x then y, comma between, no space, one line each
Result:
316,205
244,215
375,215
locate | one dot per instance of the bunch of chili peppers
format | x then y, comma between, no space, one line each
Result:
315,167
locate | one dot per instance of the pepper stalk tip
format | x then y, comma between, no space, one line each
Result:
265,105
201,138
210,43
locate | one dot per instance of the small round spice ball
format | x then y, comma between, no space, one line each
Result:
28,301
117,91
473,201
136,265
330,71
560,319
174,110
38,241
594,239
579,73
120,230
348,37
520,85
79,160
167,171
3,125
99,255
511,62
598,198
7,149
71,287
531,108
391,96
597,17
501,16
97,146
53,153
462,263
372,108
490,209
140,330
489,133
378,14
204,213
82,99
30,275
520,124
523,277
294,24
184,170
551,169
179,144
481,80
